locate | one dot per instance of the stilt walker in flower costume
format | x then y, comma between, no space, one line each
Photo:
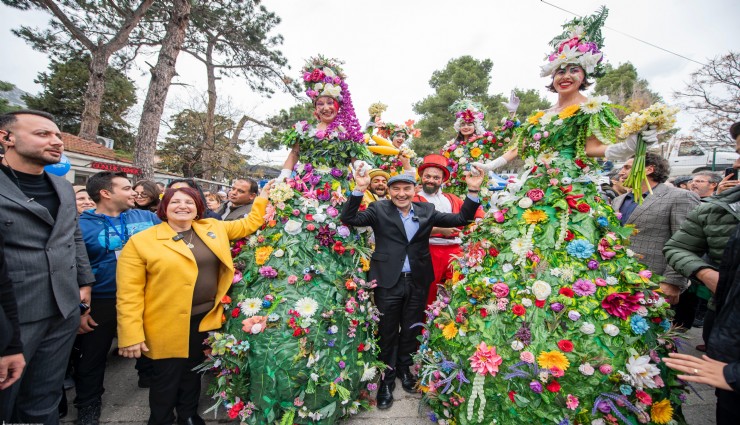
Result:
549,319
474,143
390,143
298,343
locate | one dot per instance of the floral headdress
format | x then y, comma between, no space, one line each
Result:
580,44
467,110
325,77
388,130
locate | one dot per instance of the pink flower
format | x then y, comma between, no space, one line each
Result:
254,324
573,42
307,277
584,288
645,274
621,304
320,134
600,282
500,289
527,357
571,402
237,277
500,215
298,402
556,372
605,369
292,279
535,194
643,397
485,360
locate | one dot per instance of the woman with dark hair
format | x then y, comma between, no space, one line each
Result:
171,280
147,195
178,183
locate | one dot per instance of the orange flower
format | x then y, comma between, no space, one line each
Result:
254,324
475,152
551,359
262,254
569,111
535,119
450,331
533,216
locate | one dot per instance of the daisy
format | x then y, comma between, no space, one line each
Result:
594,105
250,306
306,307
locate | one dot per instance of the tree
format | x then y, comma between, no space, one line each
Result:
184,150
63,96
4,104
159,85
231,38
462,77
98,28
713,95
624,87
281,121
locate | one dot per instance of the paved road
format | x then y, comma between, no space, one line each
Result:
126,403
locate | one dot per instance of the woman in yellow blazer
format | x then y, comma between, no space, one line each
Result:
170,279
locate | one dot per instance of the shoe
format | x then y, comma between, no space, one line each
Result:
145,381
89,415
193,420
698,323
408,380
702,348
385,396
69,383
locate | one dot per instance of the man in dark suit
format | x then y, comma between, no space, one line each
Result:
402,266
46,261
11,348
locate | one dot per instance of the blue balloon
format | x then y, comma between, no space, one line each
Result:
60,168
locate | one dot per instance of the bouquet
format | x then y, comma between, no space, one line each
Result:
657,116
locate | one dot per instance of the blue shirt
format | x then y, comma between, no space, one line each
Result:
410,225
628,206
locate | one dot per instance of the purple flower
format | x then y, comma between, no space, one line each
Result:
372,386
557,307
308,168
320,134
331,342
333,212
336,172
584,288
574,315
342,365
593,264
314,180
325,235
343,231
268,272
536,386
604,407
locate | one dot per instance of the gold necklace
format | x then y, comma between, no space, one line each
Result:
189,243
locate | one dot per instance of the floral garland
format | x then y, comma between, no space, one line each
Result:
549,317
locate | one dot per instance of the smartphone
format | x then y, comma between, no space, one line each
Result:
732,172
84,308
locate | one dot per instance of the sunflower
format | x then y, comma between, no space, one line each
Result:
535,119
450,331
661,412
365,264
551,359
475,152
569,111
262,254
534,216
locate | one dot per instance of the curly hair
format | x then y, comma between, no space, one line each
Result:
661,168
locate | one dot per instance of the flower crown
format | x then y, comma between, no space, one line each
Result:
323,77
469,111
408,130
579,44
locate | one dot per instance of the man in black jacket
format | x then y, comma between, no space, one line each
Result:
11,347
402,266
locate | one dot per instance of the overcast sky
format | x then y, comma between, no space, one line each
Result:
391,47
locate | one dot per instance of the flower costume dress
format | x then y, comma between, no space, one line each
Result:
298,342
550,318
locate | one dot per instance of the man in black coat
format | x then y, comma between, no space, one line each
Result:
11,347
402,266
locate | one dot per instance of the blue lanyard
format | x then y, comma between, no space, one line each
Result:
124,236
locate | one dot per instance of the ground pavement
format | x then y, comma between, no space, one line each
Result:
125,403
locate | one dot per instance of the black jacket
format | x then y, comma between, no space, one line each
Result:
10,333
391,244
724,341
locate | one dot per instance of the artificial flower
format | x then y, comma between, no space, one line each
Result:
610,329
262,254
250,306
621,304
306,307
541,289
293,227
641,372
485,360
527,357
569,111
661,412
595,104
550,359
254,324
450,331
534,216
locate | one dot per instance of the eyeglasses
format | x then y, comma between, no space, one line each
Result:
699,181
141,195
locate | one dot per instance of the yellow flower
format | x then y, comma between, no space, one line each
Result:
365,264
262,254
535,119
551,359
533,216
661,412
450,331
332,389
446,154
569,111
475,152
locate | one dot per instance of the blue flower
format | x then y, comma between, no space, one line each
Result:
665,324
625,389
266,304
603,222
639,324
580,248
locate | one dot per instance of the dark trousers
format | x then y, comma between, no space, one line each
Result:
728,407
175,386
93,354
685,310
708,325
401,307
46,347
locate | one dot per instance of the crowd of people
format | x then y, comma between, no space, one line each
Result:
557,297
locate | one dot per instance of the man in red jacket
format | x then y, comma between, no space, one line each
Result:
443,242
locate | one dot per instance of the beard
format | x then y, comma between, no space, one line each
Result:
430,188
378,191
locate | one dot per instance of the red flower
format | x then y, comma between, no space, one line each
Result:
310,227
539,303
511,395
566,291
553,386
621,304
567,189
518,310
535,194
580,163
569,236
317,75
583,207
565,345
361,348
309,217
483,312
493,252
656,320
226,299
235,409
235,313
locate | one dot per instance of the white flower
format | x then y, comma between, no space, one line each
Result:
558,121
526,302
594,104
332,225
589,60
630,253
586,369
458,152
328,72
332,329
611,330
312,359
598,422
545,119
293,227
541,289
306,306
463,161
566,180
485,192
278,253
369,373
642,311
250,306
611,280
319,217
567,274
507,267
641,372
544,376
547,157
529,162
588,328
257,328
520,246
555,272
517,345
525,202
314,377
